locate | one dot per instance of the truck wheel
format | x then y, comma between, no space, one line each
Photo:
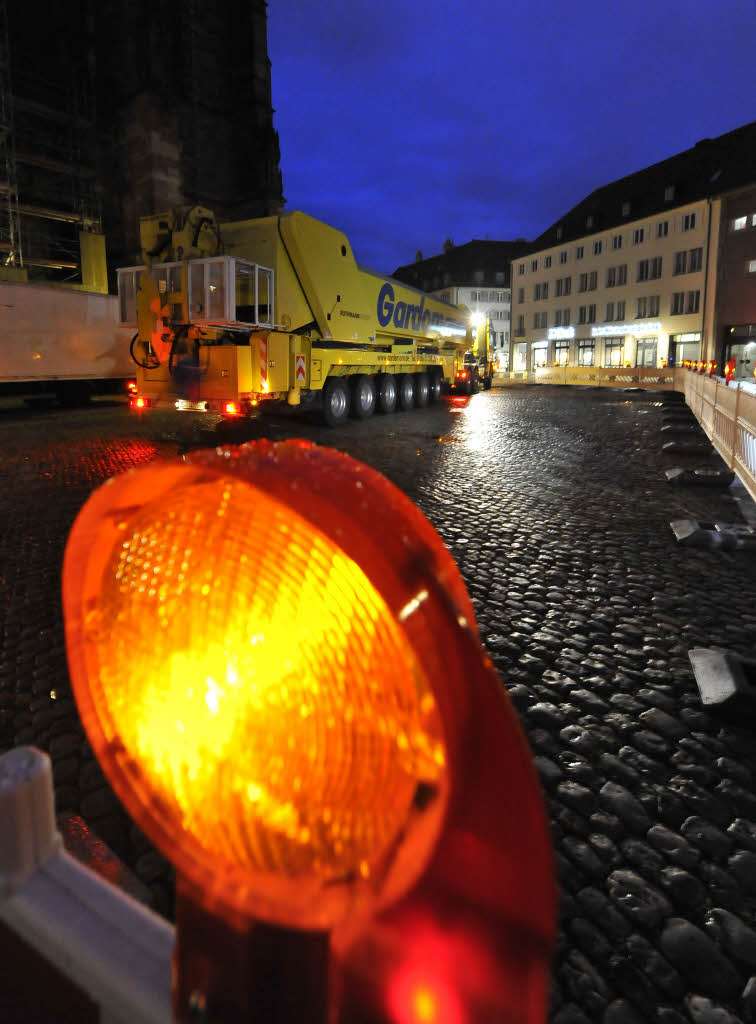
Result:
422,390
363,396
434,389
386,393
487,382
335,401
405,392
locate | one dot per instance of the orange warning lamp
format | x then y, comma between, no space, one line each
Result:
276,663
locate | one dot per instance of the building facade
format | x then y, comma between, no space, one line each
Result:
629,296
633,275
732,316
118,109
476,275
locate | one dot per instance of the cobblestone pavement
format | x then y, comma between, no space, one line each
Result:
555,505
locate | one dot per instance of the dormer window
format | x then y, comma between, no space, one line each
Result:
559,233
669,193
589,221
626,208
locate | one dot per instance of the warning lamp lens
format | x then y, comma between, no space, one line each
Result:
253,700
131,386
137,402
231,409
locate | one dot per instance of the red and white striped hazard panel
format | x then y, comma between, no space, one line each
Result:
263,364
300,366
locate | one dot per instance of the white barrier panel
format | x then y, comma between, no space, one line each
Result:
49,333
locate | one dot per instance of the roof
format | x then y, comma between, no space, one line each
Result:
458,265
709,168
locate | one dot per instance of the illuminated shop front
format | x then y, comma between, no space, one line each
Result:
540,353
613,351
645,351
684,346
520,357
586,351
562,338
622,342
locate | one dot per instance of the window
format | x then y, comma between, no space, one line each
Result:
539,320
597,248
738,223
566,314
638,236
520,326
655,268
534,264
751,268
625,209
609,311
562,353
579,252
692,303
501,277
653,305
677,304
558,318
681,262
695,260
621,309
582,314
562,286
585,353
583,283
589,221
521,269
473,296
592,280
689,221
611,277
642,274
662,229
563,256
622,274
547,261
617,242
541,291
669,193
591,314
612,352
536,292
641,308
520,294
559,233
479,276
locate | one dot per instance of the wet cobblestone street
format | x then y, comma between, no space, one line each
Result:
555,505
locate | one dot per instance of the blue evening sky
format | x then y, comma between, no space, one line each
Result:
403,124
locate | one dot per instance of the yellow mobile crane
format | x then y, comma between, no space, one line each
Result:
477,366
230,317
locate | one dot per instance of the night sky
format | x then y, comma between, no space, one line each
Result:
403,124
